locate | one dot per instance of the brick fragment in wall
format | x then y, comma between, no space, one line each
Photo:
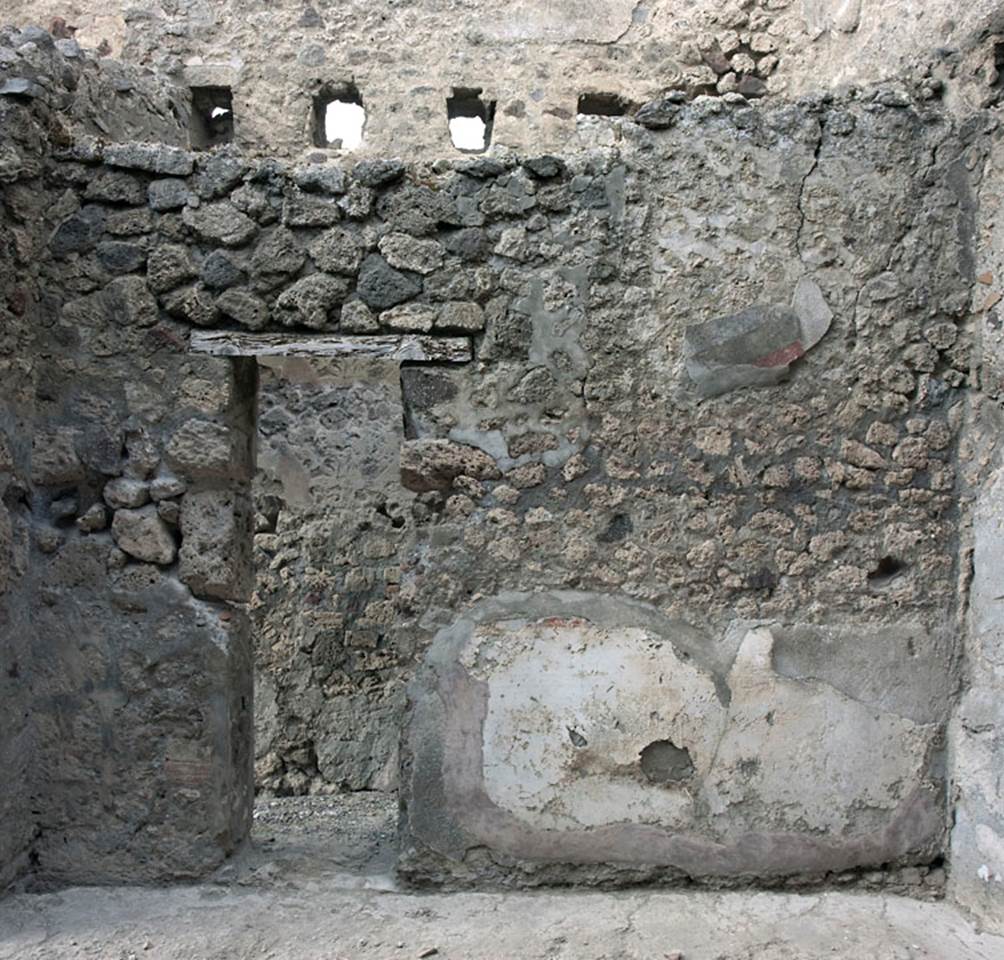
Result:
434,464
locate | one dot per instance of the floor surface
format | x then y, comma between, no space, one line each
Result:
317,885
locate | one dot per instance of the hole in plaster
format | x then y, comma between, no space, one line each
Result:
997,74
618,528
887,569
470,119
577,739
602,105
664,762
212,117
339,117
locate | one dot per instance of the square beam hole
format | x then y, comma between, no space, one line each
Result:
212,120
339,117
603,105
470,119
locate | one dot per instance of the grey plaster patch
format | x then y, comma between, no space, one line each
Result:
756,346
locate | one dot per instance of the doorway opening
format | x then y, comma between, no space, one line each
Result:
332,526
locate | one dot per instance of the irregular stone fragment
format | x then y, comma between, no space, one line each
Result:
21,87
54,457
218,174
535,386
429,464
256,203
813,312
461,315
244,307
752,87
357,204
417,317
65,508
482,168
142,452
48,539
544,167
168,266
143,535
152,157
381,286
276,258
125,492
308,210
858,455
78,233
167,194
220,222
116,256
94,518
164,488
194,304
310,302
215,559
358,318
201,448
378,173
129,302
411,253
658,114
129,223
470,243
337,251
512,243
320,178
116,187
220,272
413,209
170,512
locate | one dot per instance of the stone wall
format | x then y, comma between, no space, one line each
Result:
18,318
977,850
641,469
774,534
128,729
534,59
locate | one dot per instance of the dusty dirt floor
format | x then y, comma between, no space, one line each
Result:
317,884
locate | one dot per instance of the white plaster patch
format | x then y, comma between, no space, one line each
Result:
801,755
571,707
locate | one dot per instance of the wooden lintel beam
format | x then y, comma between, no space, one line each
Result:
404,347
